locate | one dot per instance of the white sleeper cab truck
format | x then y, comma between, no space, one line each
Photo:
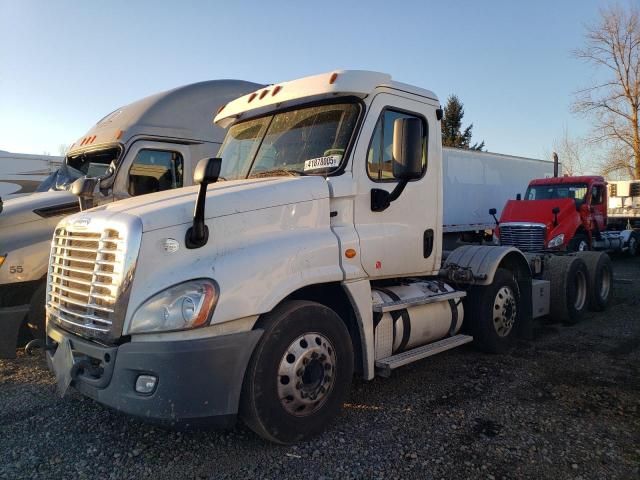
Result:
312,250
148,146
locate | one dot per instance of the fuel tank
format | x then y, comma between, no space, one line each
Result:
404,329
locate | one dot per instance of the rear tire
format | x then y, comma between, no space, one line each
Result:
600,279
299,374
569,287
36,318
494,312
579,243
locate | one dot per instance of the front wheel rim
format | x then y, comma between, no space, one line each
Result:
306,374
504,311
582,246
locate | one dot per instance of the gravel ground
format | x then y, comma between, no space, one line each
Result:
566,405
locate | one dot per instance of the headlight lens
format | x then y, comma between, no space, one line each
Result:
556,241
181,307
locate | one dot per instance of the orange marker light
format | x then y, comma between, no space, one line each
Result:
264,92
220,109
333,78
119,135
276,90
349,253
251,97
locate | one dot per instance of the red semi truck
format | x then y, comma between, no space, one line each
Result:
564,214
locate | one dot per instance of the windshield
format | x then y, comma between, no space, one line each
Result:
574,191
310,140
89,164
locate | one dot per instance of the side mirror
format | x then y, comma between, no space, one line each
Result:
107,180
492,212
207,171
519,196
407,148
83,188
407,161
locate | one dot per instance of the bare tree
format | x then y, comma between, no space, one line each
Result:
63,149
613,46
571,153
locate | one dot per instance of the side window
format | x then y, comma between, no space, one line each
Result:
379,155
154,171
596,195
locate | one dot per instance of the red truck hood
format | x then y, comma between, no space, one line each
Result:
537,211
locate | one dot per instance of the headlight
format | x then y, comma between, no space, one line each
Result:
181,307
2,259
556,241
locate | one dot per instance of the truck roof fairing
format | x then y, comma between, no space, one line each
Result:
185,112
358,83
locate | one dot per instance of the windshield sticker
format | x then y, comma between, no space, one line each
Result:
331,161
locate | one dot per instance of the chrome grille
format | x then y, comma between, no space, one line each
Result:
85,273
526,237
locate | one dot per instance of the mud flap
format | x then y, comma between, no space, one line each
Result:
10,321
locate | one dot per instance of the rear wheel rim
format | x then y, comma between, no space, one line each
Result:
633,246
580,282
504,311
582,246
605,285
306,374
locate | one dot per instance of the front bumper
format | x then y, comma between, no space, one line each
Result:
11,319
199,381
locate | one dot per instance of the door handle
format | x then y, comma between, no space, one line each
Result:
427,243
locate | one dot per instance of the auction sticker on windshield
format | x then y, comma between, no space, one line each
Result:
330,161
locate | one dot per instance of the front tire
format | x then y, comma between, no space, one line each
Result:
299,373
579,243
494,312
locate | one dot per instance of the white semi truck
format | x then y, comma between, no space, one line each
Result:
312,249
148,146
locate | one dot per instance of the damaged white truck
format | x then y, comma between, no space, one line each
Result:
311,250
147,146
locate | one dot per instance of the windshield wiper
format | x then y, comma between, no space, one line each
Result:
277,172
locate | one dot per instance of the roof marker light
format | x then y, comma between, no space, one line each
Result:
221,108
333,78
84,140
264,92
119,134
276,90
251,97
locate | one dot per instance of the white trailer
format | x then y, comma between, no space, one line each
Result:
312,249
474,182
624,204
21,173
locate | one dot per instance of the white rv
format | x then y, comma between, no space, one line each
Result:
22,173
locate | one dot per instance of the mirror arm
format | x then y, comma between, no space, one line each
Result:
381,199
198,234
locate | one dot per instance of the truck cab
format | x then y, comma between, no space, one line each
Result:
558,213
150,145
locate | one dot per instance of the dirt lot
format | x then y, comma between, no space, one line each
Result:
566,405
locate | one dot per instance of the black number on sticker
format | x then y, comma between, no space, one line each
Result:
15,269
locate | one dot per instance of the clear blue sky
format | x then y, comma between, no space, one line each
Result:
65,64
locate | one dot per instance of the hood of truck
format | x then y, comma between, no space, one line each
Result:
175,207
21,210
537,211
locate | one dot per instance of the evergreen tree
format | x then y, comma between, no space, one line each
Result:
451,125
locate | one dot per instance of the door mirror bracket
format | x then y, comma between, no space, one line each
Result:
207,171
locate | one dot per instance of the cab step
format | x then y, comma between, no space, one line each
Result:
413,302
385,365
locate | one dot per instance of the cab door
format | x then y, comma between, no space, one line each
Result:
152,167
405,237
598,206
